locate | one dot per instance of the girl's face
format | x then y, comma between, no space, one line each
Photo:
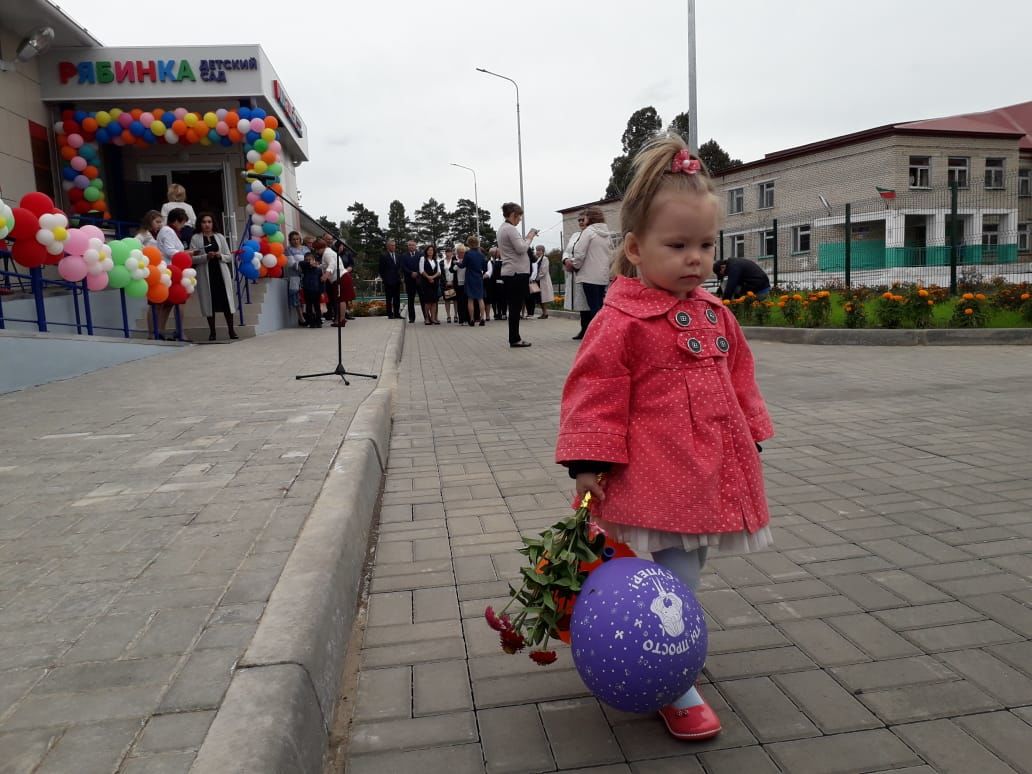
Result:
295,241
156,224
675,251
207,225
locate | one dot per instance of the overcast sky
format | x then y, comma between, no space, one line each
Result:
390,94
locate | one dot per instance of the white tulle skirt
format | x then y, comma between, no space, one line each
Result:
647,541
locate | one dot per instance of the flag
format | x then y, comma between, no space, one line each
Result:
886,193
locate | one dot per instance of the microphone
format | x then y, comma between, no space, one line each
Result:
250,175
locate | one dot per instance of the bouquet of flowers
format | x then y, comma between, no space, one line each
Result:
552,578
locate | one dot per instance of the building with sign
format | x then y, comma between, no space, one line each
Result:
148,117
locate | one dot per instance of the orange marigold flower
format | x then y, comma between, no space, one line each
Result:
797,297
922,292
968,296
824,293
751,294
1025,296
887,295
848,307
930,302
897,298
969,311
980,296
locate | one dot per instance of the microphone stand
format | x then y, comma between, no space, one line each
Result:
339,370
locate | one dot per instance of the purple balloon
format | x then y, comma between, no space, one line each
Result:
638,635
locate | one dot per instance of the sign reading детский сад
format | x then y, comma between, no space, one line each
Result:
153,71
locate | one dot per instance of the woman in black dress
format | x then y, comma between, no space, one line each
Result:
213,261
429,275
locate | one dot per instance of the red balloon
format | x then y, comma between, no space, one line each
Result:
75,195
82,207
182,260
29,253
38,203
177,294
26,224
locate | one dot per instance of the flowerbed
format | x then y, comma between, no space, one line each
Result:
899,306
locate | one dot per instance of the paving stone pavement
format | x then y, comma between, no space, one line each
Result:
890,630
146,511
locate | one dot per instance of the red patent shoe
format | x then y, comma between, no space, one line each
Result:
691,723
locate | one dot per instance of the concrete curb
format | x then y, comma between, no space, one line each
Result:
277,712
891,338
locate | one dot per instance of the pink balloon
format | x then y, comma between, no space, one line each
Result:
179,113
275,146
76,243
147,119
97,282
92,232
72,268
252,197
124,119
221,113
222,128
75,140
78,163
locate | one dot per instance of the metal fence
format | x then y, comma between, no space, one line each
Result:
968,232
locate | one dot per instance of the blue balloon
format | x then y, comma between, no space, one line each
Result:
149,136
252,137
137,129
638,635
244,112
225,141
258,113
269,228
268,196
253,244
69,173
213,135
81,115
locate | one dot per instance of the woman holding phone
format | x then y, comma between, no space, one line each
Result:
212,260
515,267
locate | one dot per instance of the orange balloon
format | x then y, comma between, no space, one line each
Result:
271,122
191,136
276,248
62,140
269,157
262,271
89,125
157,294
261,207
68,153
232,118
153,254
277,187
157,113
91,172
128,136
179,126
136,113
235,136
281,261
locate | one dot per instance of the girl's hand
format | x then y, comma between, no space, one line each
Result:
588,482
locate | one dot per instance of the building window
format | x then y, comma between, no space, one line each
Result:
44,174
1024,237
994,173
735,201
920,171
990,239
801,239
738,246
768,244
958,171
766,195
1025,182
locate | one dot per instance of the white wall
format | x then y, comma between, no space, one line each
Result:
19,103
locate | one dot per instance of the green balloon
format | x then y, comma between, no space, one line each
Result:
135,288
119,276
119,253
261,146
277,237
276,169
97,183
133,243
91,194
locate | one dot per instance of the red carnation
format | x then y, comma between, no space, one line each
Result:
512,641
498,623
543,657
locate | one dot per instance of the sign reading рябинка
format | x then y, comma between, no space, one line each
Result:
151,70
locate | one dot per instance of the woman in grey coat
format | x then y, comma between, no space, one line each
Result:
213,261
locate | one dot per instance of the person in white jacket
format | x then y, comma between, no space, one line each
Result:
591,258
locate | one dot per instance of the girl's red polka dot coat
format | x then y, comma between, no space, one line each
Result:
665,390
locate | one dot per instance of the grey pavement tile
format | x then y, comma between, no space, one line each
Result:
949,750
976,634
413,733
514,740
853,753
579,734
832,708
95,676
435,760
1004,733
769,713
928,701
60,709
892,673
22,751
172,732
92,749
383,694
202,682
822,643
163,763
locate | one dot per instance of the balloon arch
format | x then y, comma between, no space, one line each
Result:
80,134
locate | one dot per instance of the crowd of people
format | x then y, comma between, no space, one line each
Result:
509,282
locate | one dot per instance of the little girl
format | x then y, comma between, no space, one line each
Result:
662,397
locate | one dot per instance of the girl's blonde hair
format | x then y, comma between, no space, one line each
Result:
653,175
176,193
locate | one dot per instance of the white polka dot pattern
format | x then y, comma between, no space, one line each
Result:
666,390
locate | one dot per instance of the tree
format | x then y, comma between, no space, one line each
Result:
397,222
680,126
462,223
329,225
429,222
716,159
642,126
368,239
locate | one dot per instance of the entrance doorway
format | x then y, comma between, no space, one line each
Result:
205,189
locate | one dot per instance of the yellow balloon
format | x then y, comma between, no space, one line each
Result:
158,128
211,120
115,113
260,167
103,118
268,135
191,119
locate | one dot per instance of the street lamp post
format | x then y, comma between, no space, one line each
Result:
476,200
519,141
693,114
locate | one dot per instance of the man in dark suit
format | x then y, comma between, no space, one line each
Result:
390,273
410,271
